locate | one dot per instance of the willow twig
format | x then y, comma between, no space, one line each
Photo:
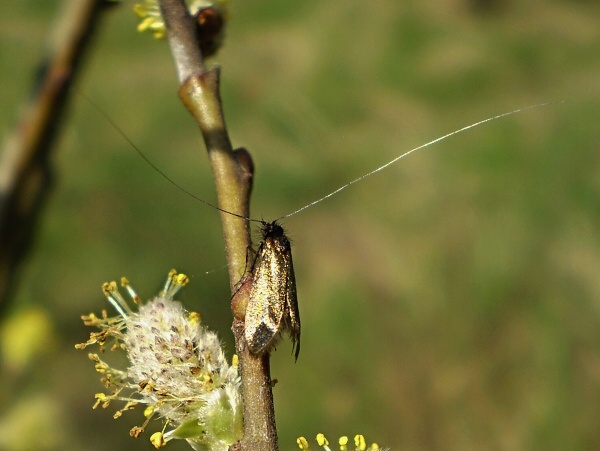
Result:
25,168
233,171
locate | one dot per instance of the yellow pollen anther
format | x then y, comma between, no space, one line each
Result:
181,279
321,440
343,442
158,440
302,443
109,287
194,317
360,442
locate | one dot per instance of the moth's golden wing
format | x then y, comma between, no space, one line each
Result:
267,303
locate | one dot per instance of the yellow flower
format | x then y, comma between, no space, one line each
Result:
359,442
177,368
210,16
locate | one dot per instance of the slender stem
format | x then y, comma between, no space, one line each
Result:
25,168
233,171
181,33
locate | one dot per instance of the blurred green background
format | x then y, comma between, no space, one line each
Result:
451,302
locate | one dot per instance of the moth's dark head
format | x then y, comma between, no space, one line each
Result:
272,230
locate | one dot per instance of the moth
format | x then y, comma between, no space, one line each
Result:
273,304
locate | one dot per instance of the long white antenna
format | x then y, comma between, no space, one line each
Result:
405,154
333,193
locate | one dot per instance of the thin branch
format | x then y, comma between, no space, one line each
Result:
25,169
181,33
233,171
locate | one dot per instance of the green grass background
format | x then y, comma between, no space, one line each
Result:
451,302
